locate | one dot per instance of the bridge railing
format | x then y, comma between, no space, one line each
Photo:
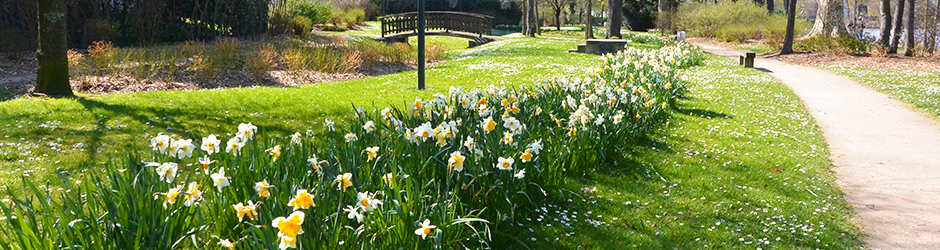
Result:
438,20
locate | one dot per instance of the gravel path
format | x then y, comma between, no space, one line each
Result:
886,155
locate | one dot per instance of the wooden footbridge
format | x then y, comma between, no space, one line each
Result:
398,27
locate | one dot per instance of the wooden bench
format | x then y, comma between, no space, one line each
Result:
604,46
747,58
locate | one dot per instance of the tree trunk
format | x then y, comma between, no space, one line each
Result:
52,72
929,34
770,6
588,28
898,27
530,18
886,23
791,23
909,47
830,20
614,18
558,20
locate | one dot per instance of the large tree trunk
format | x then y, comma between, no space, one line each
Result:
898,27
558,19
588,29
770,6
530,18
791,23
830,19
614,18
886,23
929,31
52,72
909,47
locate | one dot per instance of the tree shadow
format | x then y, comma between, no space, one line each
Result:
701,113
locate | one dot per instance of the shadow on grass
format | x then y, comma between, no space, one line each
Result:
701,113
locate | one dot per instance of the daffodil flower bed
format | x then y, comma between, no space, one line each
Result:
444,172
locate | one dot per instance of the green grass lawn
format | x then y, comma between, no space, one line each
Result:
42,136
741,166
919,88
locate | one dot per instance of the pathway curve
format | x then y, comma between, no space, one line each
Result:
886,156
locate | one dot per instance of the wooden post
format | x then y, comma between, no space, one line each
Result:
421,44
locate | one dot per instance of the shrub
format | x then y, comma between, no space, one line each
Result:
76,61
225,54
434,51
399,53
732,21
103,56
301,26
202,69
262,61
371,51
843,43
354,16
323,59
283,14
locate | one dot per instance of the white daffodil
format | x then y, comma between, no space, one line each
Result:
316,163
219,179
368,202
295,138
328,124
535,146
184,148
160,143
350,137
211,144
520,174
192,195
504,163
387,113
512,124
469,143
167,171
205,161
234,145
369,126
425,228
246,131
353,213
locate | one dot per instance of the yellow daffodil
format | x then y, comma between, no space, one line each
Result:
455,163
572,132
389,179
250,210
343,181
425,228
373,153
288,228
488,124
170,196
526,156
302,200
507,138
275,152
263,188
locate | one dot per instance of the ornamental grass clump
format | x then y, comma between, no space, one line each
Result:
443,173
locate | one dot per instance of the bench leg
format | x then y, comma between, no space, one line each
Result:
749,62
740,60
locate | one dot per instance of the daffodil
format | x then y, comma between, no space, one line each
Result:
387,113
373,153
617,118
192,195
353,213
251,210
389,178
234,145
369,126
488,125
205,161
504,163
263,188
343,181
160,143
211,144
275,152
526,156
227,244
535,146
295,138
507,138
316,163
167,171
350,137
424,132
246,131
425,228
170,196
469,143
288,229
219,179
520,174
367,201
538,110
184,148
512,124
455,163
328,124
302,200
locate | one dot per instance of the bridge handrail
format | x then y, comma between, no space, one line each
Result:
438,20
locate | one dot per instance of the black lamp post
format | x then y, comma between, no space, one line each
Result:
421,24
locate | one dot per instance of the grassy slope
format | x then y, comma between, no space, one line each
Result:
741,164
916,87
38,136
